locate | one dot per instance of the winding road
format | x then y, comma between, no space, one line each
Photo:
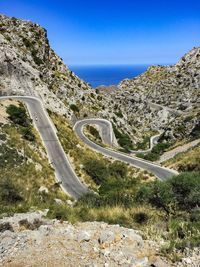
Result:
159,171
56,155
63,170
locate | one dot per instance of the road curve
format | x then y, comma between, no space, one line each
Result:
105,129
153,142
159,171
57,157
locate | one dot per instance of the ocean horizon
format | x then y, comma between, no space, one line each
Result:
97,75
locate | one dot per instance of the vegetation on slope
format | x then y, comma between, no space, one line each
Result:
93,134
24,168
83,158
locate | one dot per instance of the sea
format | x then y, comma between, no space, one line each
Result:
97,75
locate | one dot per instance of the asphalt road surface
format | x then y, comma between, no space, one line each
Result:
105,128
159,171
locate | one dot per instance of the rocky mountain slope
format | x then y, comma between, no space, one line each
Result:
162,99
176,87
165,98
29,66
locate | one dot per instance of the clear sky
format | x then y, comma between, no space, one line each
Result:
112,31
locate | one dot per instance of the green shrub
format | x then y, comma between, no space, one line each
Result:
155,153
186,190
18,115
123,139
36,59
93,131
119,114
74,108
27,43
27,133
3,137
96,169
9,193
91,200
142,145
181,192
161,196
118,169
9,157
140,217
58,212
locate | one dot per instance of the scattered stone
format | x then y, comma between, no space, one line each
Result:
58,201
43,189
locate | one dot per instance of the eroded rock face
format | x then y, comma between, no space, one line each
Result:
176,87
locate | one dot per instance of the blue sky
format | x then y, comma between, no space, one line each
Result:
114,32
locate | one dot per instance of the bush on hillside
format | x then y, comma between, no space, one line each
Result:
74,108
118,170
27,134
9,193
96,169
181,192
18,115
140,217
93,131
123,140
155,153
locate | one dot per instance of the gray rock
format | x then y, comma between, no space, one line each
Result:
106,236
83,236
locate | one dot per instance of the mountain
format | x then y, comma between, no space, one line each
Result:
29,66
163,98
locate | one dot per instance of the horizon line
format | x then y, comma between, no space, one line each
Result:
119,64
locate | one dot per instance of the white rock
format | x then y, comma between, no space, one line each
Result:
43,189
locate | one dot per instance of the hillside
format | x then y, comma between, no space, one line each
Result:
175,87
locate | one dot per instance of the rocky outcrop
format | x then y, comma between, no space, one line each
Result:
30,240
